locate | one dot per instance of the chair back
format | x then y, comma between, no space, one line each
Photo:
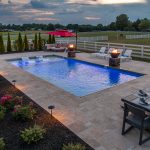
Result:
102,50
110,50
135,110
121,51
128,53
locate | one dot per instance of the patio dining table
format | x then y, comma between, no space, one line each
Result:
134,99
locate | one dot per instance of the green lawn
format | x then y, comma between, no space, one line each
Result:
113,37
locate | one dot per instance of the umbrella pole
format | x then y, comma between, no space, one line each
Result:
76,39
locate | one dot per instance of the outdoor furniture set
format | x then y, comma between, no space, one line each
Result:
137,113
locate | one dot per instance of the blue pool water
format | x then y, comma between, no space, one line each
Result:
77,77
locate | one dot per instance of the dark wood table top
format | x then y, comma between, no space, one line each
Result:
135,99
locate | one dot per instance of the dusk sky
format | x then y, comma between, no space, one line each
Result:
71,11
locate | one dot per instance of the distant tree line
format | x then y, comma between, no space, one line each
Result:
121,23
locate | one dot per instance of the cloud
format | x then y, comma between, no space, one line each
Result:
95,2
92,18
15,1
38,4
45,19
71,11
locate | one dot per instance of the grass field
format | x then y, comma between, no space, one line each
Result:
113,37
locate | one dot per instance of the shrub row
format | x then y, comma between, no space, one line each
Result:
21,44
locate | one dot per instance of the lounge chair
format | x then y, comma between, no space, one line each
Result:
101,52
126,56
104,54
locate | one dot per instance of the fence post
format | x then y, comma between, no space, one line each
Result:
124,46
84,45
95,46
108,45
142,51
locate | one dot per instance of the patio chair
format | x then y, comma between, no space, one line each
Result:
103,55
101,52
126,56
135,117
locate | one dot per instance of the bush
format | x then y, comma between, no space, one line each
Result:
23,113
2,112
20,43
33,134
2,47
26,44
35,42
40,43
53,40
2,144
9,48
74,147
9,102
49,41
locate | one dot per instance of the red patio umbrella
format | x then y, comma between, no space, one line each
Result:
62,33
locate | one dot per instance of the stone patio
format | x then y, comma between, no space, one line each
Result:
96,118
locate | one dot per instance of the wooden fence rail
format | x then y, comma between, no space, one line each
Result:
140,51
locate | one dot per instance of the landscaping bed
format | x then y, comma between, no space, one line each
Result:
56,133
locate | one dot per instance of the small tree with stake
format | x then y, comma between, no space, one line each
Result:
35,42
20,43
26,45
39,42
2,47
9,48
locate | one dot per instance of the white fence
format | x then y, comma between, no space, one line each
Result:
142,36
139,51
81,39
93,39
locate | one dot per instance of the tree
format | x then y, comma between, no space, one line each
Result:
144,25
53,39
40,42
2,47
35,42
20,43
135,24
9,48
99,27
122,22
112,26
49,39
50,27
26,45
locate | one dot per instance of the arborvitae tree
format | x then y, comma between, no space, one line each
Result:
53,39
26,45
40,42
20,43
2,47
35,42
9,48
49,39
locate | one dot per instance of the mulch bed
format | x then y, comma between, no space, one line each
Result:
56,133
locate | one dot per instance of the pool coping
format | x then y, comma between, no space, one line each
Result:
97,91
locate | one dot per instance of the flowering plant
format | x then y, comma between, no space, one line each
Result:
9,102
24,112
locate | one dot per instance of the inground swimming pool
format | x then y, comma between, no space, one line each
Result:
77,77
